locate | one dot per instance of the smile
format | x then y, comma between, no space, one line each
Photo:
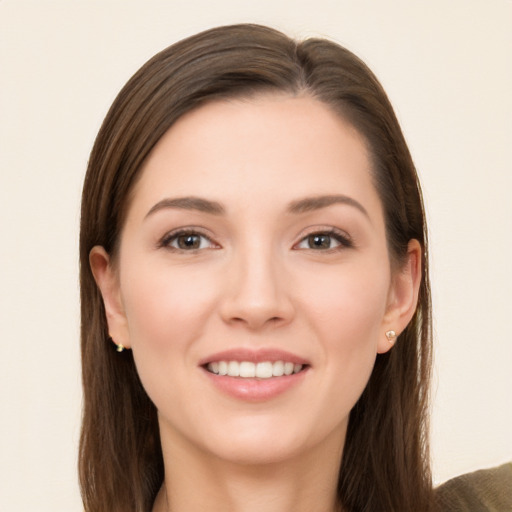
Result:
255,375
249,369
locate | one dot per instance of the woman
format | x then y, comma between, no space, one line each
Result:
256,327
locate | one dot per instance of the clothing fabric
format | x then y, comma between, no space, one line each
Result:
486,490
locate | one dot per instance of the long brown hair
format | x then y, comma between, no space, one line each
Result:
385,463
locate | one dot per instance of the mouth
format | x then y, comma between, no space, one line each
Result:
252,370
255,375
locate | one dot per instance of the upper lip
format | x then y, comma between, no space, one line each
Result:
254,356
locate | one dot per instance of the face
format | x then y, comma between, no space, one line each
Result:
255,244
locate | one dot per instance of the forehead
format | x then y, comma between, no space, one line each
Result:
273,148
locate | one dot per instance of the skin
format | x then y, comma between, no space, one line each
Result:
256,281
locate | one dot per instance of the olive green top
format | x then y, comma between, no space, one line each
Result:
486,490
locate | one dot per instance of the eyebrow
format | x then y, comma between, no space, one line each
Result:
309,204
299,206
188,203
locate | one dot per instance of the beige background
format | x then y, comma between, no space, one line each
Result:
447,66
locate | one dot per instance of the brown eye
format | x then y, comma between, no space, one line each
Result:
191,241
324,241
319,241
187,241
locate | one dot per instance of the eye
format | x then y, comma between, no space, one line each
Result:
324,241
187,240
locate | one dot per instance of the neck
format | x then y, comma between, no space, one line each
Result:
303,484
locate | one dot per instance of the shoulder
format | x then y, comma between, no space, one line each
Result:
486,490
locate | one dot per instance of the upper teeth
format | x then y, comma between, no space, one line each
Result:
263,370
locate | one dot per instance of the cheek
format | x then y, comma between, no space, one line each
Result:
167,311
348,304
164,306
346,312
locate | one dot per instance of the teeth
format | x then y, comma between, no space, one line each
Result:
233,368
223,368
264,370
288,368
278,369
247,369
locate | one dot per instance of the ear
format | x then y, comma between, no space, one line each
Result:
403,296
108,282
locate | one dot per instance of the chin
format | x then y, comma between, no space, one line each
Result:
257,453
263,442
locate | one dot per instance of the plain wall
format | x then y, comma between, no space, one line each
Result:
447,67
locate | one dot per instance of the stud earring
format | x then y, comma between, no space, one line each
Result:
391,336
119,346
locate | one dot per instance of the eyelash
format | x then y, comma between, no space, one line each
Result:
174,236
344,241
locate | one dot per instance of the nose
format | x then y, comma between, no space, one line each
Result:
257,292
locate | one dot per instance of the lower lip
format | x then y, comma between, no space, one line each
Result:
255,390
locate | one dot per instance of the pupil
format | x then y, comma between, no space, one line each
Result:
189,242
320,241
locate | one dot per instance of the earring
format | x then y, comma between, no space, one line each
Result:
391,336
119,346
